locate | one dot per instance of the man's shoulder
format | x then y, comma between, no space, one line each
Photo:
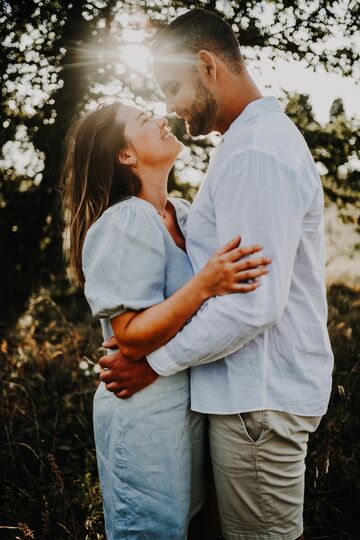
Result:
270,135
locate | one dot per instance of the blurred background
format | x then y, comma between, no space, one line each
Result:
59,59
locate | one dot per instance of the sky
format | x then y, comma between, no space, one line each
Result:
322,87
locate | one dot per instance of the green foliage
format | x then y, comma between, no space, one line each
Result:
44,79
47,459
333,475
335,148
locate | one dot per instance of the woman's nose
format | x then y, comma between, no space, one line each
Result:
162,122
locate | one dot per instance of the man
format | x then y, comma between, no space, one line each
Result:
261,363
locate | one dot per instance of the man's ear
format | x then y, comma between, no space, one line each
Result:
126,158
207,65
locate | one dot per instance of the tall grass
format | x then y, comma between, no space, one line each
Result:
47,460
333,467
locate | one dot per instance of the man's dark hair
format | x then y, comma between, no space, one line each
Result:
200,29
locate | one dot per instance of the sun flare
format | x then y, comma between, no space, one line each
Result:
136,56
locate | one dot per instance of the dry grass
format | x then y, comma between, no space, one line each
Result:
47,459
47,456
333,476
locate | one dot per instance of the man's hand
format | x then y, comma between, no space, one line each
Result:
111,343
124,377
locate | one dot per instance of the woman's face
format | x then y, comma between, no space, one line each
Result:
150,138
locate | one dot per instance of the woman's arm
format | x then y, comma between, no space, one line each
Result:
141,332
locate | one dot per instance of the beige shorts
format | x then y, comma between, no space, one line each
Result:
258,461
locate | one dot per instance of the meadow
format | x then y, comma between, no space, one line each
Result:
47,458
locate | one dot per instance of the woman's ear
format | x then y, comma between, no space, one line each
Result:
207,65
126,158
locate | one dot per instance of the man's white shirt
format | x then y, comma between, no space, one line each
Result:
267,349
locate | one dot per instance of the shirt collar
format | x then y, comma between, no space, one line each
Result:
259,106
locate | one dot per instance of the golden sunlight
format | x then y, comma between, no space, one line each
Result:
136,56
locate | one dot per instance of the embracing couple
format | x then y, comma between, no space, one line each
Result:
168,281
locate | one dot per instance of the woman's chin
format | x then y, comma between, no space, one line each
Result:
179,145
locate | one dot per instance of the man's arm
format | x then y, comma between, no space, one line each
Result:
143,331
259,198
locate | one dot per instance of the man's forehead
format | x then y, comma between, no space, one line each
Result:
170,65
169,55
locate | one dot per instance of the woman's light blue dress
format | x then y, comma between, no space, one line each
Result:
150,447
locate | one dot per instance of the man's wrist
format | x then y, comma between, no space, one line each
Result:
162,363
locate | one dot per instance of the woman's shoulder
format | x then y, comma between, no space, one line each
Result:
126,219
132,210
137,206
130,205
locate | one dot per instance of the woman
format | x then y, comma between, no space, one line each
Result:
127,248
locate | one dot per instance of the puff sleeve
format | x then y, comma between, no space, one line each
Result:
124,261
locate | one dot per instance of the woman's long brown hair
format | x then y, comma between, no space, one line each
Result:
92,178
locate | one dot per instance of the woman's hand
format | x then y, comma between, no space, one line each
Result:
231,270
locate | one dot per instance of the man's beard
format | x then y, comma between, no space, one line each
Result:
202,112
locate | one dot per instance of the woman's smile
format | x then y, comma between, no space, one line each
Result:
168,135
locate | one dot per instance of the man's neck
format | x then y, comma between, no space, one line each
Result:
238,92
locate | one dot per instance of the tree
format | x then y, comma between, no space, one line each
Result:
58,56
335,148
54,33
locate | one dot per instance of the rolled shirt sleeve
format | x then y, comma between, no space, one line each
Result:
264,201
124,261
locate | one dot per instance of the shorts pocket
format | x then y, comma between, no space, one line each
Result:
253,424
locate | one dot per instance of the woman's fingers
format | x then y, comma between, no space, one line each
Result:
230,245
251,274
251,263
246,287
240,252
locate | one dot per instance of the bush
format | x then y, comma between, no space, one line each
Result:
333,475
47,457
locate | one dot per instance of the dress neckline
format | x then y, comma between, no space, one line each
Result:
174,205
